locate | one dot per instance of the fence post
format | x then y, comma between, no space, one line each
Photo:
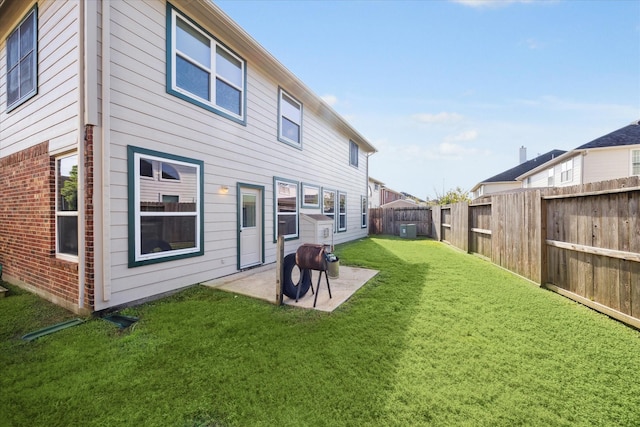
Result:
544,269
279,269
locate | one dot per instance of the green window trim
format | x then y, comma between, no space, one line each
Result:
215,77
136,257
286,184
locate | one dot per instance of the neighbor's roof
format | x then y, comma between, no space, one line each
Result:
513,173
212,17
628,135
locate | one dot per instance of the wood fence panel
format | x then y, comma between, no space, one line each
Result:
388,221
436,226
480,229
445,224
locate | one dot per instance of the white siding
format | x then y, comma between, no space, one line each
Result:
144,115
52,114
608,163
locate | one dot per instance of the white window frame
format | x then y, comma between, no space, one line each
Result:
566,171
329,214
551,178
33,62
342,214
295,104
276,214
303,192
635,162
214,44
354,153
364,212
136,257
61,213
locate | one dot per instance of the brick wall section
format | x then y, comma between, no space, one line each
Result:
27,227
89,296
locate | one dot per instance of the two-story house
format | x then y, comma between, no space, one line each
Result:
146,146
507,180
614,155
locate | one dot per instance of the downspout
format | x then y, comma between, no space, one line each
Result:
106,152
81,153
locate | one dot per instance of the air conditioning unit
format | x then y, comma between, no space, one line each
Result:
408,231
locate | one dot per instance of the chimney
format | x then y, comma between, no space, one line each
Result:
523,154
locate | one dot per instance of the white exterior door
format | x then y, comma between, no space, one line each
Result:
250,227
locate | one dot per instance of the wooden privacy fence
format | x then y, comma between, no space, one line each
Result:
581,241
389,220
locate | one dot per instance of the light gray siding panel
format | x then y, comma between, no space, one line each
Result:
53,113
143,114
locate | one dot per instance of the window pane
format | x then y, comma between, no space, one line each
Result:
228,67
290,109
13,85
146,168
192,78
169,172
13,49
27,75
227,97
311,196
68,235
287,225
167,233
329,203
248,210
67,183
192,43
290,130
27,35
342,222
343,203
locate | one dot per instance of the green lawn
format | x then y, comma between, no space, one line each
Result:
437,338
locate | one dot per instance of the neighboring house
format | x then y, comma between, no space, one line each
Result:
402,203
374,192
612,156
148,145
388,195
507,180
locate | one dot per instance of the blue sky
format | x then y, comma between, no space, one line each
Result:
448,91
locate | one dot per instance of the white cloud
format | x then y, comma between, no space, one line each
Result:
533,44
330,99
465,136
443,117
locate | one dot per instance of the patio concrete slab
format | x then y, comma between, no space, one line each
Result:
260,283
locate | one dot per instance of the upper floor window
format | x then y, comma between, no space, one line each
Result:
353,154
22,60
635,162
566,171
289,119
203,71
550,178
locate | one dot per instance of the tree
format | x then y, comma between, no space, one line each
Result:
452,196
70,190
